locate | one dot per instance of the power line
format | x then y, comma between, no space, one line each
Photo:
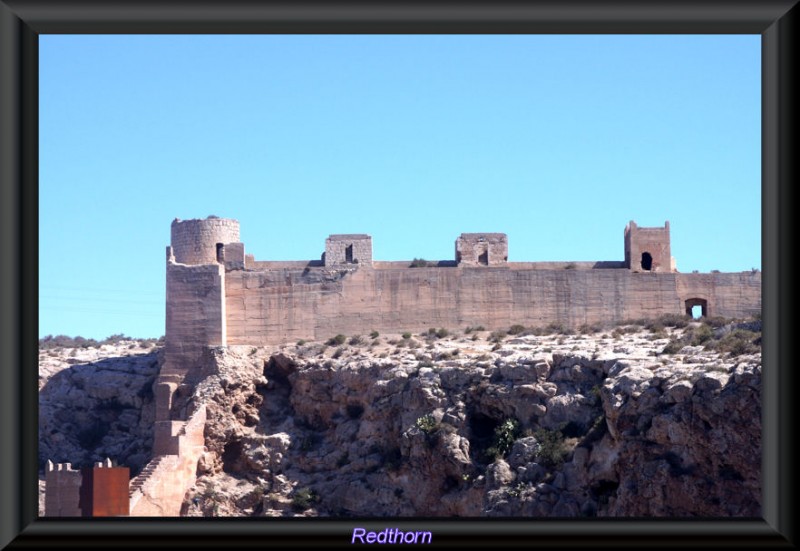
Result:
103,299
100,290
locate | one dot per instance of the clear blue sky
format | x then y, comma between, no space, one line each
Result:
557,141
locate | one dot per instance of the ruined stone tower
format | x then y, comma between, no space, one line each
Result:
648,249
482,249
348,248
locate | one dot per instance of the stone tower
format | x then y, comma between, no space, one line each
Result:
482,249
199,241
648,249
195,316
348,248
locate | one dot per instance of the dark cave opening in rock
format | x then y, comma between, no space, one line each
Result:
604,490
481,434
574,429
231,456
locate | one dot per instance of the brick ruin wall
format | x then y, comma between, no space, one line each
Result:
271,307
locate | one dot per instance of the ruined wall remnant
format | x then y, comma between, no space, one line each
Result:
648,249
346,249
482,249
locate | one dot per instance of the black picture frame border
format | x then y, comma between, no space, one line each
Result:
22,21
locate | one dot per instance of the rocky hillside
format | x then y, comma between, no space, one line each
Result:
656,419
96,402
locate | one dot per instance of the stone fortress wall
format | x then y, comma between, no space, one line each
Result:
217,295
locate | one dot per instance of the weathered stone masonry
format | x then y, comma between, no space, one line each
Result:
218,295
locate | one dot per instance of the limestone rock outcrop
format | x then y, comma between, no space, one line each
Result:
539,426
97,403
466,424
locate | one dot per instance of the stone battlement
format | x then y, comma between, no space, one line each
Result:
218,295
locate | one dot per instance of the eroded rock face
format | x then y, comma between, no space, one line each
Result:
96,404
599,432
534,426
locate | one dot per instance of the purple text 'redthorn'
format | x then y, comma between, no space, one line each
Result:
390,535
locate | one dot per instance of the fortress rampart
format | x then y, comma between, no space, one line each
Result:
218,295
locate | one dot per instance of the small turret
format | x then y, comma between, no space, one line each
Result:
648,249
482,249
199,241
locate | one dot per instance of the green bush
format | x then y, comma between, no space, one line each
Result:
420,263
427,424
674,320
654,326
374,335
304,498
552,450
516,329
715,321
406,335
737,342
337,340
504,436
442,332
557,328
701,335
590,328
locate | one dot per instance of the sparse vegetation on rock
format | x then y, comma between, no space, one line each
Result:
542,424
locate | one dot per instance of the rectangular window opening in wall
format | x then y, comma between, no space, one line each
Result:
220,252
483,258
348,254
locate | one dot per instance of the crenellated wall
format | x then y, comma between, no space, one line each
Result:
218,295
229,297
62,490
